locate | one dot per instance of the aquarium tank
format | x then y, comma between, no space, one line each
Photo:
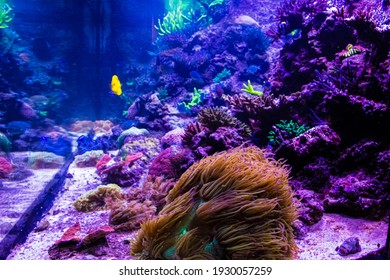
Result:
194,129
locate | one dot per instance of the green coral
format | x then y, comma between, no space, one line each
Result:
223,75
185,5
187,16
285,130
6,15
173,21
211,3
132,131
196,99
5,144
96,199
249,89
162,94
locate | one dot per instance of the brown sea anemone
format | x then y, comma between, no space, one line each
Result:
235,204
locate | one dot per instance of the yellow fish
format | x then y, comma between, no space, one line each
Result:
116,86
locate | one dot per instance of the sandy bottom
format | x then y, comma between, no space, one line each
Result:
17,196
322,238
63,215
319,243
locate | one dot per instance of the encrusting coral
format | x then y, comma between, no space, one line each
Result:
139,204
235,204
89,158
96,199
42,160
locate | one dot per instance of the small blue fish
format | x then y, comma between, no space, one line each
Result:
196,77
292,36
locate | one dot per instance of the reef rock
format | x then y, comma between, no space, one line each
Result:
356,194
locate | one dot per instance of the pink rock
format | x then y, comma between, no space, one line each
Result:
131,158
71,234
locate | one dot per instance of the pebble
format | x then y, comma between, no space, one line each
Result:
349,246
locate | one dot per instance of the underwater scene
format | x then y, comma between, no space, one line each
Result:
194,129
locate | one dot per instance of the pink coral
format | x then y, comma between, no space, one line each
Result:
118,171
5,168
171,162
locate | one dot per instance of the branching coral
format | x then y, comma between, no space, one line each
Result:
5,14
96,199
232,205
223,75
249,89
197,98
174,21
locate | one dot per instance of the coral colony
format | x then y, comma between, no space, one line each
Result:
229,129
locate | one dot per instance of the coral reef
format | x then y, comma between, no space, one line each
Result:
285,130
260,118
317,141
131,134
130,215
173,137
216,130
74,240
139,204
119,170
88,159
171,162
260,113
356,195
88,142
96,199
232,205
41,160
154,189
